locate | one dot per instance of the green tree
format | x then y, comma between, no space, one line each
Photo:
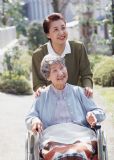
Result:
112,27
17,18
55,5
36,35
109,20
59,6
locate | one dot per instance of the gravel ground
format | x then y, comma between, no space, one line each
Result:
13,131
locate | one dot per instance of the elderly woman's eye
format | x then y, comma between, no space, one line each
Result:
63,27
61,67
55,30
54,70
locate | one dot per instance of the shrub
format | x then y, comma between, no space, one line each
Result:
22,66
17,61
15,84
96,59
16,74
104,73
36,35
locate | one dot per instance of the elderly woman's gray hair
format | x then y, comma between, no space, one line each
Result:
47,61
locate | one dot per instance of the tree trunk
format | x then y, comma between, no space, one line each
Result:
59,6
112,27
55,4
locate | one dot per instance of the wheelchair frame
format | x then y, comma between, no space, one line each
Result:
32,151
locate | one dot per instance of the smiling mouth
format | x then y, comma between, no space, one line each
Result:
59,79
61,38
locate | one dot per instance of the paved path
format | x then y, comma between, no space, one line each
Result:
13,131
12,127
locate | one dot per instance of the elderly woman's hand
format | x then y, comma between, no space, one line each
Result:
88,91
91,119
39,90
37,126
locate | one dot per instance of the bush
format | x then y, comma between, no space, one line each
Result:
15,84
22,66
36,35
96,59
16,74
17,61
104,73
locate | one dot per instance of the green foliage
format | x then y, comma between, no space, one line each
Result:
36,35
109,11
96,59
15,84
23,65
108,96
9,57
55,4
18,62
104,73
15,17
16,75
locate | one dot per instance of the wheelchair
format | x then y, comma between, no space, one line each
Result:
32,150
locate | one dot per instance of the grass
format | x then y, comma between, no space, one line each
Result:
108,95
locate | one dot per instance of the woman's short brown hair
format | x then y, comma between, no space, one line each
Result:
52,17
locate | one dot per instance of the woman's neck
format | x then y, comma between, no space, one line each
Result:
58,48
59,87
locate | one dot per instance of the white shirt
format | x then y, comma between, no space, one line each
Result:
51,51
61,107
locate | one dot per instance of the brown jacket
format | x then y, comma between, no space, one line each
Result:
77,64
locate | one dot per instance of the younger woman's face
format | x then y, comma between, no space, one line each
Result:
58,32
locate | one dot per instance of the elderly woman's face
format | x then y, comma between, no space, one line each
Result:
58,75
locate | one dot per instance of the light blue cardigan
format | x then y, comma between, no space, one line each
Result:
77,103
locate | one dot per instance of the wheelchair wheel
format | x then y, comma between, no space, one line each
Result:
26,148
105,148
102,146
29,147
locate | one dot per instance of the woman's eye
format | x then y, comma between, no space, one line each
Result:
61,67
63,28
54,71
55,30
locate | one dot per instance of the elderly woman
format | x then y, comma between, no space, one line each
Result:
64,115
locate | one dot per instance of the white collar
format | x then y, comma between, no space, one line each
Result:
67,49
